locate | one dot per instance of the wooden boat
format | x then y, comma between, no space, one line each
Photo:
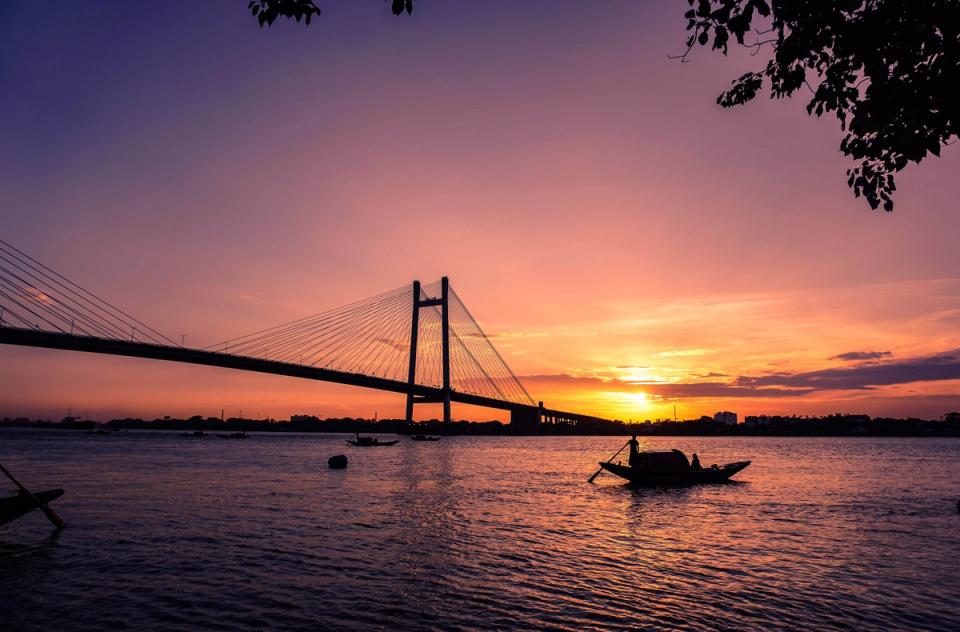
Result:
369,442
690,476
12,507
420,437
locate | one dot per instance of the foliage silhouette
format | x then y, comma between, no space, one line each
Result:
267,11
889,70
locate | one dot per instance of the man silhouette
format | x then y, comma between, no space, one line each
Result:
634,451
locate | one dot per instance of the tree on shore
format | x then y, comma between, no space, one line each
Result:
889,70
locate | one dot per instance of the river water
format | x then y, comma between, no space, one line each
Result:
171,533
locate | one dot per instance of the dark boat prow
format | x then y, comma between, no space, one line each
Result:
12,507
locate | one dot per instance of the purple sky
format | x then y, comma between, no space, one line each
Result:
620,233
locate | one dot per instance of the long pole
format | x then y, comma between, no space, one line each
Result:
50,513
597,473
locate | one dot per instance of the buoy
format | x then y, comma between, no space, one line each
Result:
337,462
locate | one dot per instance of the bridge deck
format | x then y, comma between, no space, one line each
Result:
135,349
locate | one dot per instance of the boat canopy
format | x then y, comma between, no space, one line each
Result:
672,461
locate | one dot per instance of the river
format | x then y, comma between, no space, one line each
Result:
173,533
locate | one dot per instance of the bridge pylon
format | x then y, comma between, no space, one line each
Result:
443,302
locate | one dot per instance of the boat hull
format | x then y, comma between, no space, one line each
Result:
13,507
716,474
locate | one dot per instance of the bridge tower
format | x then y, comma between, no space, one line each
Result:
443,303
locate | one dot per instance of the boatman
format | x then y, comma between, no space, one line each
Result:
634,451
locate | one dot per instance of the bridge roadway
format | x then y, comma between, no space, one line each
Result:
522,415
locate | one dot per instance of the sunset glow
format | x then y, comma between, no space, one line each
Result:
627,245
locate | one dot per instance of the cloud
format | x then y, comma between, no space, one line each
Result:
683,353
665,390
943,366
853,356
38,295
862,377
517,334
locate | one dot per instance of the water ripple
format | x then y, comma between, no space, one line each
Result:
479,533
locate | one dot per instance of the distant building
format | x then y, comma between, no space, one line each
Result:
726,417
757,421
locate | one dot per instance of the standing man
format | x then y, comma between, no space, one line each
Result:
634,451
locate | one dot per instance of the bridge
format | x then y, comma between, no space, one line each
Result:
420,341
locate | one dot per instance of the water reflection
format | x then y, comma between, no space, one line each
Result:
475,533
13,549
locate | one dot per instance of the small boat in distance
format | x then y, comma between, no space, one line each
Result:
671,468
369,442
195,433
422,437
233,435
12,507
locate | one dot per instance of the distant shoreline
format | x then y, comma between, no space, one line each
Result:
830,426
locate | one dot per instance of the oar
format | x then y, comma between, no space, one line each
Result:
50,513
590,480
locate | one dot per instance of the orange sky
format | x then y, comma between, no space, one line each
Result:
629,245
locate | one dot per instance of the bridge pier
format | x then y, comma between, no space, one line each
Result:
443,302
526,420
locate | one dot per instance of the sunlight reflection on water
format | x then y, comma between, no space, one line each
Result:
475,532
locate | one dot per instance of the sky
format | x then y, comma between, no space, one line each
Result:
629,246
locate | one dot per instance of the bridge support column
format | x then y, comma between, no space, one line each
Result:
526,420
445,329
414,333
443,303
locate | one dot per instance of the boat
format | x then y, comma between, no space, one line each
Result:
195,433
12,507
233,435
671,468
369,442
420,437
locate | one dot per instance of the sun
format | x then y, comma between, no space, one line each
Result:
638,399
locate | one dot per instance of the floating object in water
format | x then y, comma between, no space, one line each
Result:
195,433
369,442
420,437
671,468
233,435
337,462
12,507
24,502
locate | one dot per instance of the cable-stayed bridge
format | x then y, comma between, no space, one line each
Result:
419,341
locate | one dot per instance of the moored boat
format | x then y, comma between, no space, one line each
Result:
370,442
233,435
